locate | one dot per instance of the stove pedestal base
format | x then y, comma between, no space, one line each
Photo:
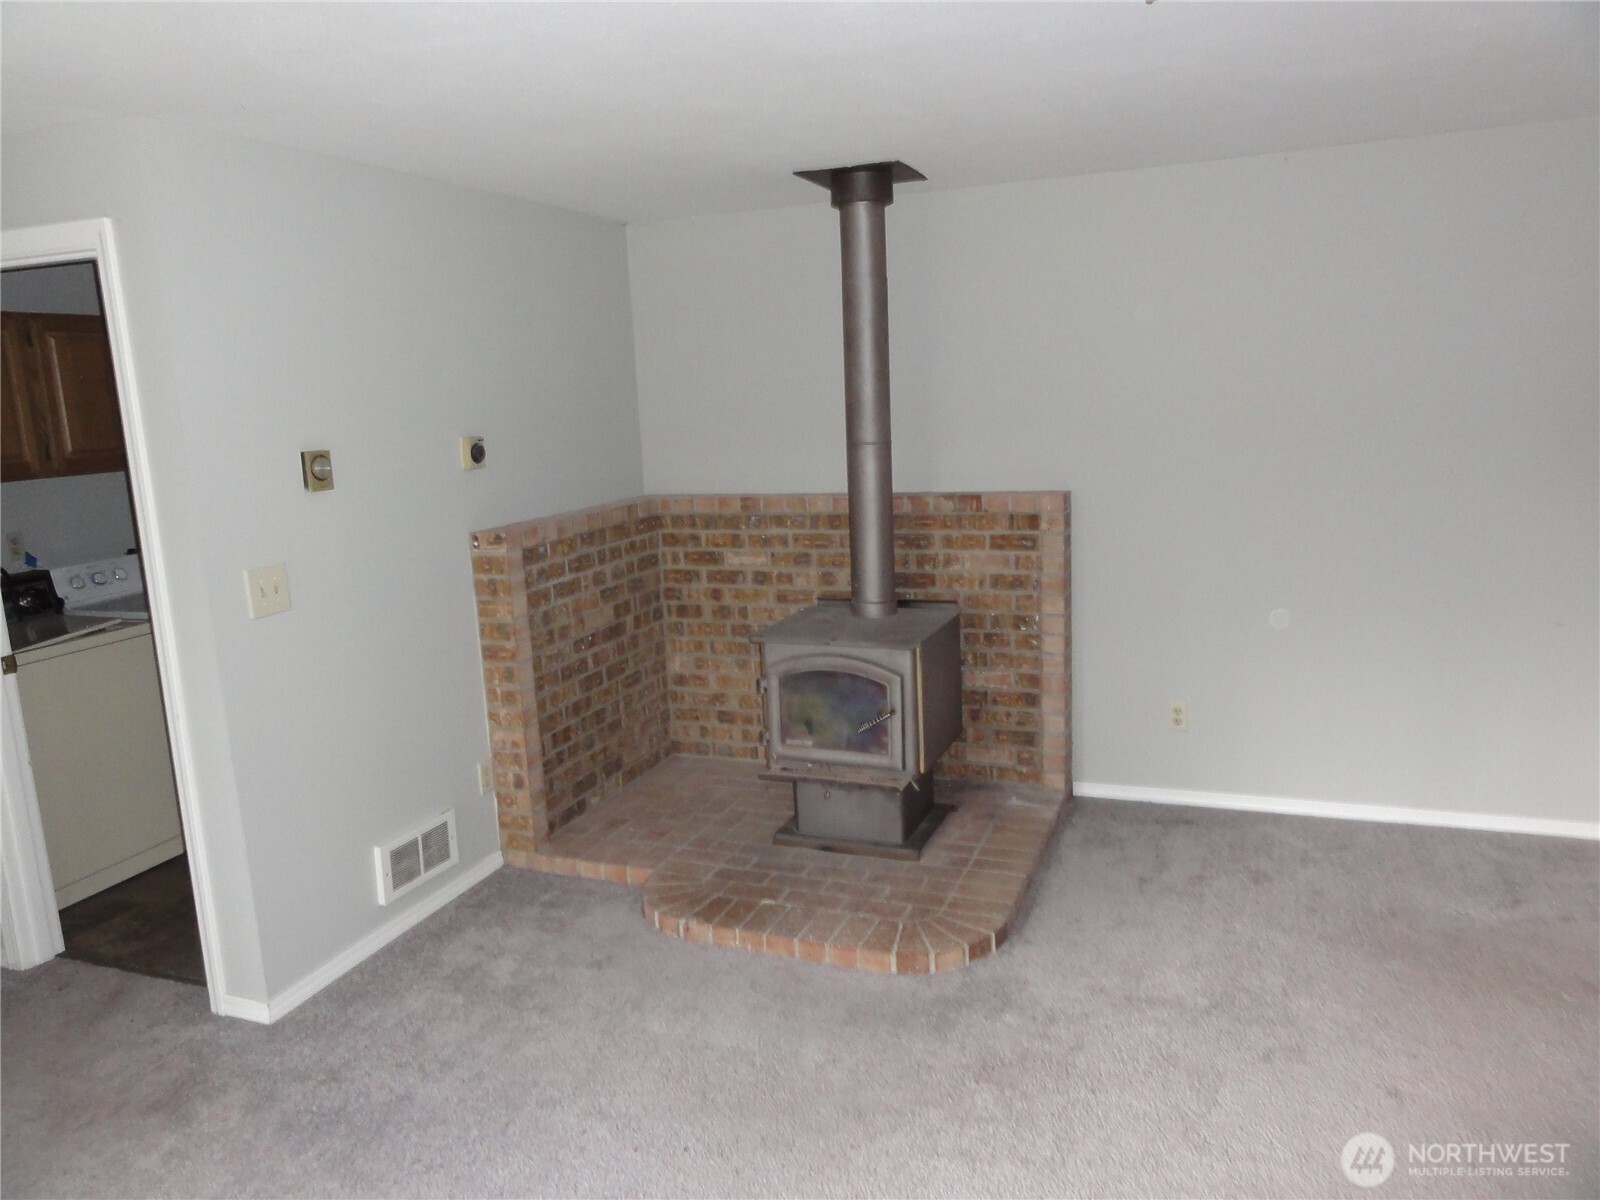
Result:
889,817
908,851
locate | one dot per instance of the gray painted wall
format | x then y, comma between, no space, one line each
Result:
280,301
1357,384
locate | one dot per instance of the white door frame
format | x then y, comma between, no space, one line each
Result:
32,926
30,931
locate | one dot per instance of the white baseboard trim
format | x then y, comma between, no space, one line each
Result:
247,1010
1340,811
296,994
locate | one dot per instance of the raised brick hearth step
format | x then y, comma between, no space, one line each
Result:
697,833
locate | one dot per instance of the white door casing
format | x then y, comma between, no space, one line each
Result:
29,930
31,927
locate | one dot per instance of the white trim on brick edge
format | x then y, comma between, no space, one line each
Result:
1337,810
296,994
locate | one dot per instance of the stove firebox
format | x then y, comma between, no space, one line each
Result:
862,698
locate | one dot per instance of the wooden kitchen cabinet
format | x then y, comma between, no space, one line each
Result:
60,411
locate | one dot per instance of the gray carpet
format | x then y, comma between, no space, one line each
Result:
1196,1003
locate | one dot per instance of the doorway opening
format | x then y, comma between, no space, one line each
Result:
86,672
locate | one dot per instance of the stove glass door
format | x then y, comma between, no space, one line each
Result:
833,710
836,711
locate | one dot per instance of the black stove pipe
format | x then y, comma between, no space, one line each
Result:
861,194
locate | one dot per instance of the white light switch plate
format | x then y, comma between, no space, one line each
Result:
269,590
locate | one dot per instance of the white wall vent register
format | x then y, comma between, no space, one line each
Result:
417,856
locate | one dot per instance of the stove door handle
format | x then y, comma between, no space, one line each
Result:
877,720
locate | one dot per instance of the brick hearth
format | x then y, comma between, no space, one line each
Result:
696,833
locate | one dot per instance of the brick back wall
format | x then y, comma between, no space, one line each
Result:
732,564
616,635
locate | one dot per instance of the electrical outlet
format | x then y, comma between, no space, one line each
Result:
485,779
15,550
268,588
1178,718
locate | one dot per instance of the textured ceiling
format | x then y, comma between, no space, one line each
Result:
644,111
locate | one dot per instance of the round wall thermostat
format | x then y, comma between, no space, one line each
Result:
316,470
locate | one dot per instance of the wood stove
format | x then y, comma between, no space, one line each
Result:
858,710
861,698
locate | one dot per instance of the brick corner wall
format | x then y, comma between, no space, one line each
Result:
616,635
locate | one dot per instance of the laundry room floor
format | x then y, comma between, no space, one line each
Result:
145,925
